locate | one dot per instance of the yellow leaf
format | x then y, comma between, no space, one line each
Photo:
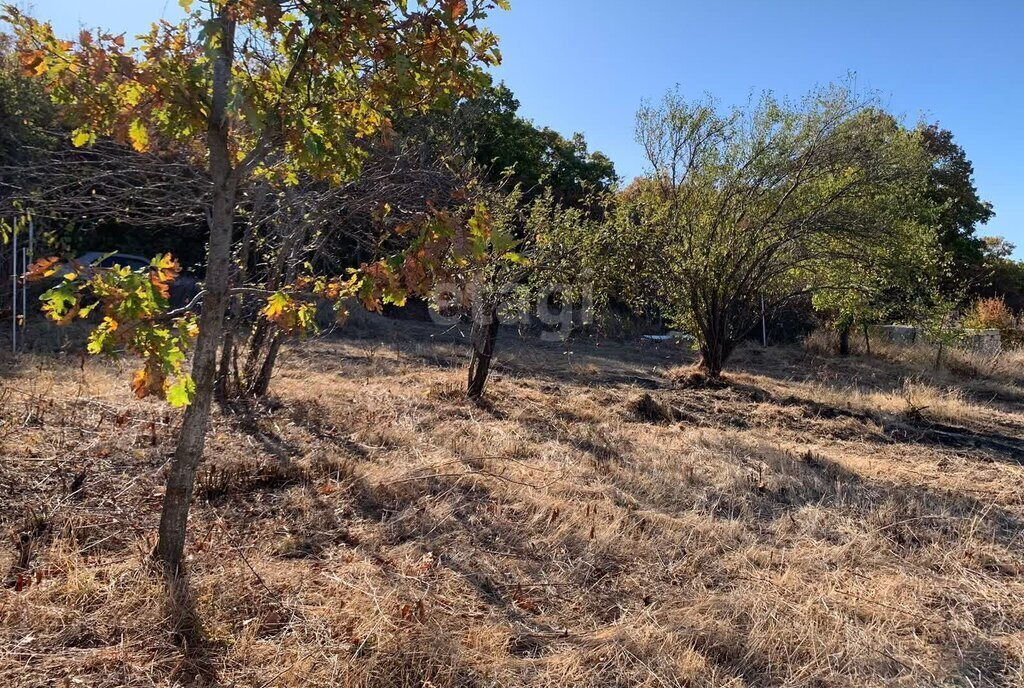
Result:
163,270
138,135
277,303
80,138
133,94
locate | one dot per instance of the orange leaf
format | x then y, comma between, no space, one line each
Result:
162,271
31,62
140,384
42,268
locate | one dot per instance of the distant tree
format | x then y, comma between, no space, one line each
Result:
997,247
756,202
897,275
254,88
481,286
951,189
895,279
1003,276
509,148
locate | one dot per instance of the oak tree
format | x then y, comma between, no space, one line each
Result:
254,88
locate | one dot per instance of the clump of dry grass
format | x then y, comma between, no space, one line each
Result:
374,528
647,408
913,399
822,342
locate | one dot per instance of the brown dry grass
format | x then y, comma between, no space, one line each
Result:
813,521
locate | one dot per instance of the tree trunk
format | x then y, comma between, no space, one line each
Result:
714,352
259,363
844,340
867,340
484,337
220,388
261,385
711,360
192,439
229,350
254,358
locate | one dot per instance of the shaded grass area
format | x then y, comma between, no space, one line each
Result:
608,519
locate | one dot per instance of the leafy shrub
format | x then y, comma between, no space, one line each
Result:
994,314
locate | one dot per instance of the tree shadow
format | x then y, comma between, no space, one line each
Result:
873,426
313,417
184,627
245,416
588,361
403,522
992,446
783,483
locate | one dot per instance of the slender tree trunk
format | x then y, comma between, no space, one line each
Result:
261,385
192,440
484,337
228,354
844,340
259,363
867,340
254,357
220,387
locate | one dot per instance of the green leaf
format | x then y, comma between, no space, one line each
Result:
516,258
59,300
395,296
181,393
502,241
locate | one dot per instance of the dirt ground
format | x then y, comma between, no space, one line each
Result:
607,518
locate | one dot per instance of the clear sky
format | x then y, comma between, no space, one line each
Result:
586,65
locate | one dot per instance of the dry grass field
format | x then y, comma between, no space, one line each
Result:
607,519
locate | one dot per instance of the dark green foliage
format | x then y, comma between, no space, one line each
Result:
951,188
1003,276
489,131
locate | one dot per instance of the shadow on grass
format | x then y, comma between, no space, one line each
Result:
246,416
580,361
185,629
735,400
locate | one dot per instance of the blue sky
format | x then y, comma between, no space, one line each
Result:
586,65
